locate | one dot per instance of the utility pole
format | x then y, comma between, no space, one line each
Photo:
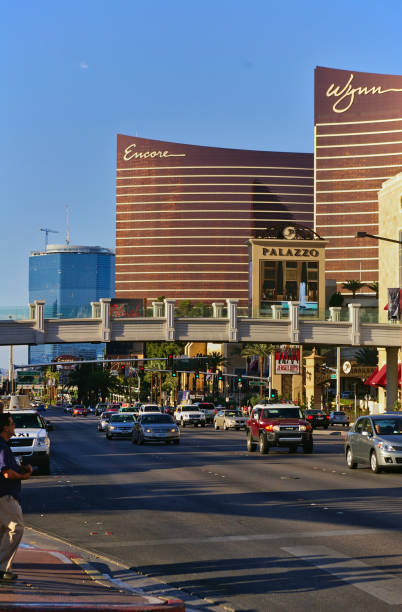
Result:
338,378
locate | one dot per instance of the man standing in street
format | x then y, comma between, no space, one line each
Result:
11,521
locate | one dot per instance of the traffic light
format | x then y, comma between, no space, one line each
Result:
196,374
170,362
240,378
141,371
220,376
274,394
174,373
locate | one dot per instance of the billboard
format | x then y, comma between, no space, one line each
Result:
122,308
287,359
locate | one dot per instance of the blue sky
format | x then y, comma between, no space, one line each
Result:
218,73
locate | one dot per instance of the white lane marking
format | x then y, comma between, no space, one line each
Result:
23,545
123,585
367,578
247,537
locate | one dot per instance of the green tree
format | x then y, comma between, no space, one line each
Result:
353,286
92,381
214,362
262,351
187,309
367,356
162,349
336,299
373,287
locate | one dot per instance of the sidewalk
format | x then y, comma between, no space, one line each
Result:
62,581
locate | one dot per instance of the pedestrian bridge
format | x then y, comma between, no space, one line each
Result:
226,325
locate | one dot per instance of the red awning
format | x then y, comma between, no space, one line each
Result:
379,377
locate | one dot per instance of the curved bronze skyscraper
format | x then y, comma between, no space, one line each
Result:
184,213
358,146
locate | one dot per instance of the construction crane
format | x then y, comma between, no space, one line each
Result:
47,232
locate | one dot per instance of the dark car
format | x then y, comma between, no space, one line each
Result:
317,418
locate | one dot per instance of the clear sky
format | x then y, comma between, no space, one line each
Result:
221,73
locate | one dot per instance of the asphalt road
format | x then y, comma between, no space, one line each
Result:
248,532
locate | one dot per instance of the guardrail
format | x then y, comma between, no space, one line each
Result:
164,326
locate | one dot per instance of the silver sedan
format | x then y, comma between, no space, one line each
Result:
155,428
376,441
120,425
229,419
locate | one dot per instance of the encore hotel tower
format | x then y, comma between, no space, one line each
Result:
358,146
184,214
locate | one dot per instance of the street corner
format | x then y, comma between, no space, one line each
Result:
64,580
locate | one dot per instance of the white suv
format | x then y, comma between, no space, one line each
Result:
31,441
189,415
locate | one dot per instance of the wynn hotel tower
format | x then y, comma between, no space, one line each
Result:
358,146
184,214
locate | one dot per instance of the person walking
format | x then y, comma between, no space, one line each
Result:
11,521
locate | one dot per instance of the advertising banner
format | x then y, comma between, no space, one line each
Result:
287,359
121,308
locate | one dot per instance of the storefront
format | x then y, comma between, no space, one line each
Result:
287,263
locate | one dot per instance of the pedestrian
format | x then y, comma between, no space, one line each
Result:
11,521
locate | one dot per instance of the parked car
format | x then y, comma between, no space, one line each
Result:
317,418
279,425
155,428
338,417
230,419
376,441
79,410
68,409
120,425
104,420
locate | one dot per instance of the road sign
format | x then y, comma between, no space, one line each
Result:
333,376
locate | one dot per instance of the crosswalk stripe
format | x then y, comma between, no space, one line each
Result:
367,578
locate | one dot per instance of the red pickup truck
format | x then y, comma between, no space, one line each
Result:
278,425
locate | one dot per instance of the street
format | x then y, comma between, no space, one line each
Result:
241,530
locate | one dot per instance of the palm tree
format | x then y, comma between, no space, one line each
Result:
261,351
92,381
353,286
374,287
367,356
215,360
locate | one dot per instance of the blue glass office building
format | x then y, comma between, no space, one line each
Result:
69,278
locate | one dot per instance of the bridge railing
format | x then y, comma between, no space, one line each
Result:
225,325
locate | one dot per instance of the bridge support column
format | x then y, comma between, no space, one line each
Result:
169,314
276,311
294,322
105,316
354,319
335,313
217,310
392,377
232,316
32,311
95,310
157,310
40,321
